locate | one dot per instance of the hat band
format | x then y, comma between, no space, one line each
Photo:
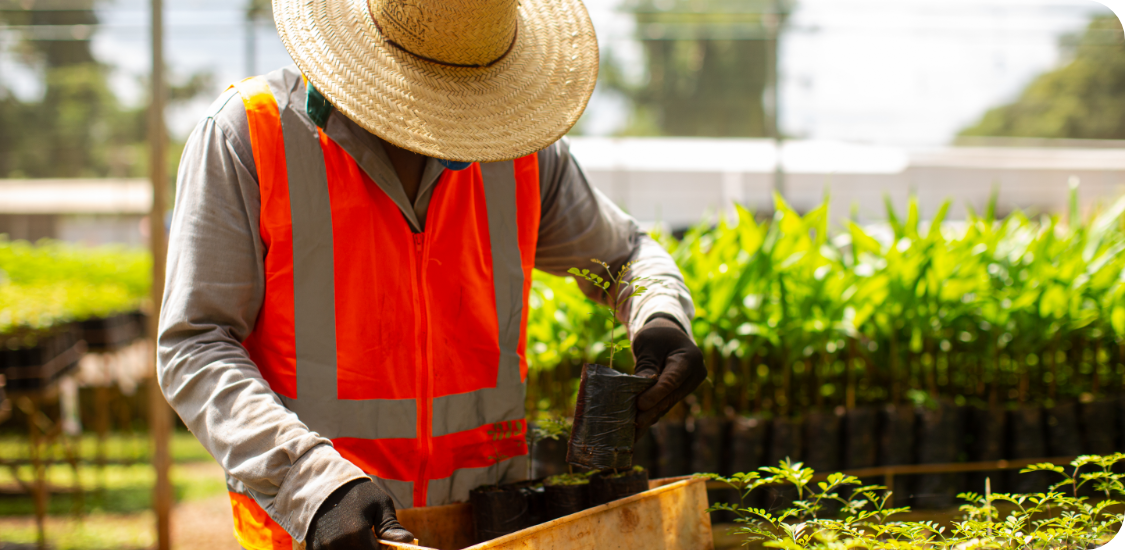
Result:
515,36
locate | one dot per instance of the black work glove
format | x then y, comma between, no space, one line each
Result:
345,520
663,351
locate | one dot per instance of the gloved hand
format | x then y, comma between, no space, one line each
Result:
345,519
663,351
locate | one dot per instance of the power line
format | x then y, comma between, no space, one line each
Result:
649,32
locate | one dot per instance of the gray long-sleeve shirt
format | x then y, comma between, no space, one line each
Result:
215,287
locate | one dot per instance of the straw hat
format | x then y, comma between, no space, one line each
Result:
462,80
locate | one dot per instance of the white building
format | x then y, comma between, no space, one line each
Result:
677,181
88,211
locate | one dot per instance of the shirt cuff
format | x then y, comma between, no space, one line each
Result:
309,482
659,304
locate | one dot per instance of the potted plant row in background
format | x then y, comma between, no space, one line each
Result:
844,512
58,299
600,439
894,344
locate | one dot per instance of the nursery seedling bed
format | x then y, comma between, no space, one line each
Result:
671,515
105,334
42,374
888,473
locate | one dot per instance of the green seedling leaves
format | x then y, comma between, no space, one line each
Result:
613,289
1041,521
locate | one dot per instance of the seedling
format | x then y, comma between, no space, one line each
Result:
1050,521
548,428
569,479
499,432
612,289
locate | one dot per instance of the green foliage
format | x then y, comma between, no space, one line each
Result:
78,128
498,432
550,427
617,290
185,448
705,68
791,315
1039,521
127,487
570,479
629,472
1079,100
52,282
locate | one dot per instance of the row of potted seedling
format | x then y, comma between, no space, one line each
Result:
48,284
502,509
866,437
793,313
34,359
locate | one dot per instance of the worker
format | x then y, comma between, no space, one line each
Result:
351,254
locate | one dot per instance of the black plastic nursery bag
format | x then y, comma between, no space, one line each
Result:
605,418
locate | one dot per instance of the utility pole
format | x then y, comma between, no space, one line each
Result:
772,20
251,45
256,11
160,421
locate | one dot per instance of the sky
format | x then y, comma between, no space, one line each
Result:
888,72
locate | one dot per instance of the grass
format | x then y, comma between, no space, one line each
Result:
117,501
119,489
826,517
185,448
51,282
96,532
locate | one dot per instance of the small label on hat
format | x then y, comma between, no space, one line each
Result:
407,16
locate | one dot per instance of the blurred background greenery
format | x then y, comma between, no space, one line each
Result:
1009,322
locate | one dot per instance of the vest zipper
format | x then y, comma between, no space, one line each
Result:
425,379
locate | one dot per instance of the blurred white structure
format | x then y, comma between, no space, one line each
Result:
88,211
678,181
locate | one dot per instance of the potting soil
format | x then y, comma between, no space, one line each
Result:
563,500
498,511
644,450
985,431
1098,421
548,458
822,440
672,448
1026,440
747,443
608,487
708,436
605,418
939,442
1063,437
896,445
859,438
785,442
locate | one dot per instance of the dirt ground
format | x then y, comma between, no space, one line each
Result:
197,524
204,523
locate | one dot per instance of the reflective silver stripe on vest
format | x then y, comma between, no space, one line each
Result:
456,487
466,411
314,312
317,403
402,492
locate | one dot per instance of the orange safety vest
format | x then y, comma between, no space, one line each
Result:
405,349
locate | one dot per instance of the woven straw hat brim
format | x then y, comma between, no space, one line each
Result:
519,105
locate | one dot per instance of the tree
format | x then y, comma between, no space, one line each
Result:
706,67
78,128
255,12
1079,100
